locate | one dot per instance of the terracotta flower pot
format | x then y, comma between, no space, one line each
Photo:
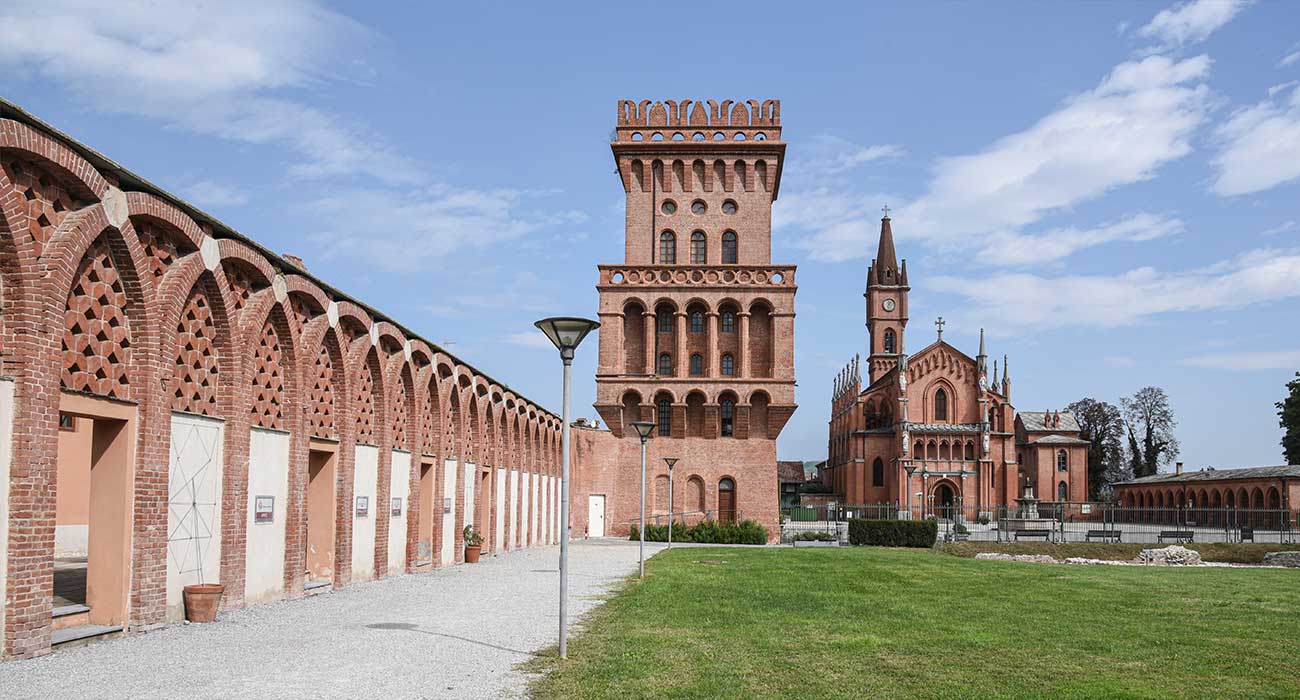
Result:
202,601
471,553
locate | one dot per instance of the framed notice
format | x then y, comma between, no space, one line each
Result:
446,505
363,506
263,509
396,507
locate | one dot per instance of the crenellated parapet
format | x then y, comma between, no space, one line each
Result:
696,120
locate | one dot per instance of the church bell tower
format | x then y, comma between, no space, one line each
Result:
886,304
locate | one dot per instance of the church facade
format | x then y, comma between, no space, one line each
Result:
931,432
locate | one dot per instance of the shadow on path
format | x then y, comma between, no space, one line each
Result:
412,627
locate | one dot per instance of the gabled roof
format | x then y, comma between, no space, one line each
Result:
1212,474
789,471
1036,422
1058,439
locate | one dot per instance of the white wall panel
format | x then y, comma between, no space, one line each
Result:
400,487
6,462
470,477
498,541
449,468
524,505
513,515
268,475
193,507
365,484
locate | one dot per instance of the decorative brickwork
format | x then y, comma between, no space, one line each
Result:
46,201
97,336
304,309
193,383
243,284
397,414
161,246
429,432
268,380
321,398
363,406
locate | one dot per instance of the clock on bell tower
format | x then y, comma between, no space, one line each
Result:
886,304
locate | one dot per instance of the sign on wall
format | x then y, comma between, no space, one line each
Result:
363,506
397,507
446,505
264,509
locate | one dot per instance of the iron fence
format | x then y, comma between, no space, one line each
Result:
1060,522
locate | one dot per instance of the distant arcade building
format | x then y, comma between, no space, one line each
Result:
930,429
697,323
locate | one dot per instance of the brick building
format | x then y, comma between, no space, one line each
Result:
1258,488
936,414
179,404
697,323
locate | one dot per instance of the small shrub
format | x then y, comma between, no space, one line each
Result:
815,487
893,533
983,520
960,529
707,532
814,537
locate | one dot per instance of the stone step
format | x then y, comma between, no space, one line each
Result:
73,609
83,633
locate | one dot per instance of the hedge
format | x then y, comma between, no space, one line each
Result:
893,533
707,532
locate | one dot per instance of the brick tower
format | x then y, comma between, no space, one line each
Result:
697,324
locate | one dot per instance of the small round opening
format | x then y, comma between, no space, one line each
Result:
698,207
668,207
729,207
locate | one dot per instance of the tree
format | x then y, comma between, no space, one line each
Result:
1288,418
1101,424
1150,424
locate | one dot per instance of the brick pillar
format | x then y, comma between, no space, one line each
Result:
713,370
743,370
651,341
679,360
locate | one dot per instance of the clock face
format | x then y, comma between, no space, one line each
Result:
888,304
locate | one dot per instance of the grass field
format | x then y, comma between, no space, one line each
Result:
1210,551
878,623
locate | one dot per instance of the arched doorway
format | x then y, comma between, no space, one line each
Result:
944,500
727,501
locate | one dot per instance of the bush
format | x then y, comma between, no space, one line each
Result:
815,487
817,536
707,532
893,533
960,529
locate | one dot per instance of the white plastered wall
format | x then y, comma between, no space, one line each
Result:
557,527
449,516
268,475
365,484
6,461
500,480
400,487
525,505
469,476
534,519
514,511
193,507
543,515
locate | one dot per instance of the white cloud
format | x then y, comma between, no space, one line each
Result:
1034,301
1191,22
1246,360
221,69
1260,145
831,155
1055,244
1283,227
207,193
1291,57
528,339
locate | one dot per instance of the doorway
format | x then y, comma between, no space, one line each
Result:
93,499
483,509
595,516
945,501
424,534
321,511
727,501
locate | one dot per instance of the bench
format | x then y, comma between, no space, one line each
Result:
1104,535
1247,534
1041,534
1176,535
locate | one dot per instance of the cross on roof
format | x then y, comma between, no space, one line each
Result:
886,210
939,324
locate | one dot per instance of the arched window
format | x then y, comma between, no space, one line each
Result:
665,364
728,321
729,248
1062,461
697,321
889,341
1062,492
878,472
667,248
664,319
728,366
665,416
940,405
727,408
697,365
699,249
727,500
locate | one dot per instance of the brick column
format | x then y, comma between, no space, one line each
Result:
713,370
680,360
743,370
651,342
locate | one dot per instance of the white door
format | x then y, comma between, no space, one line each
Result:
596,516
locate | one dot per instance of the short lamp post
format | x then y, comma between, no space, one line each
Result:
670,461
566,333
643,429
910,469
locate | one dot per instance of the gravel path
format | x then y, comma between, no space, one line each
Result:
451,633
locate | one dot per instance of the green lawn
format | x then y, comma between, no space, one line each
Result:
878,623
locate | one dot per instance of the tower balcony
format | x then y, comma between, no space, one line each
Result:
719,276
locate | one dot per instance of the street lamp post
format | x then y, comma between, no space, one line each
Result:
566,333
910,469
670,461
643,429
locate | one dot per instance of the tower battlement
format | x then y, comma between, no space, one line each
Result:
728,119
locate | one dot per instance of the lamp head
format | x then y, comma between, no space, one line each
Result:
670,461
566,332
644,429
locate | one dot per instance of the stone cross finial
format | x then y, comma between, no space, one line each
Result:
886,210
939,324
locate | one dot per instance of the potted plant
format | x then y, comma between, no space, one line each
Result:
473,544
202,601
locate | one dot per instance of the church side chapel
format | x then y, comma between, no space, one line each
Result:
931,433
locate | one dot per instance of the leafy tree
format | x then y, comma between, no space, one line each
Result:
1150,423
1288,415
1101,424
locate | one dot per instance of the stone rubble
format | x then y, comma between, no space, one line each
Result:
1287,559
1173,555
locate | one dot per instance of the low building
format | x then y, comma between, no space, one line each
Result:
1269,488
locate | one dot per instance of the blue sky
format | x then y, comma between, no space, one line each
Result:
1108,188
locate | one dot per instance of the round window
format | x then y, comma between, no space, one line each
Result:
669,207
728,207
698,207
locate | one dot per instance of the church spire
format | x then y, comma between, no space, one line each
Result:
1006,378
982,360
885,265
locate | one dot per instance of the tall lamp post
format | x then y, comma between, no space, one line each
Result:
566,333
670,461
910,469
643,429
